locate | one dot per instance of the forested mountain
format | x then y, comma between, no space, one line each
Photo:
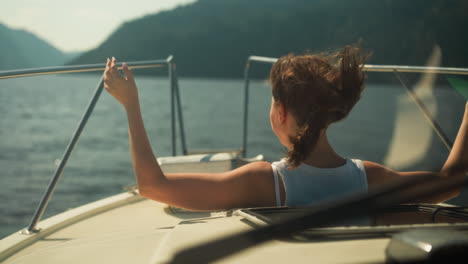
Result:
214,37
22,49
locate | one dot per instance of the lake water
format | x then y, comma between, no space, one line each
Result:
39,114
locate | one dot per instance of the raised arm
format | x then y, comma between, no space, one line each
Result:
454,168
457,161
248,186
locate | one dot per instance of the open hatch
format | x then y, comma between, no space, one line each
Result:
393,220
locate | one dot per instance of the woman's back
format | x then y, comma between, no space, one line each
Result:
308,185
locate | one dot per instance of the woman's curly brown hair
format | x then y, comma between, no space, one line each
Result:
317,89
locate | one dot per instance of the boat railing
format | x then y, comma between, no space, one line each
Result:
175,106
176,110
395,69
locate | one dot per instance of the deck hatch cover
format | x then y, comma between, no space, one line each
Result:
393,220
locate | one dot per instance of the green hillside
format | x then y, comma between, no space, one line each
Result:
21,49
213,37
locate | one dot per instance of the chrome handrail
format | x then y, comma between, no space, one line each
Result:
175,106
79,68
384,68
370,68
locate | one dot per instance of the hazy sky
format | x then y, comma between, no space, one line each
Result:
76,25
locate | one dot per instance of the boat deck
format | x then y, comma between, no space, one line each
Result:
144,231
127,228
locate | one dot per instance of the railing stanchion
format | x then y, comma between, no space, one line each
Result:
63,162
246,108
172,91
179,111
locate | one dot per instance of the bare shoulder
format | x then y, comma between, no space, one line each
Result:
255,184
251,173
374,167
377,173
262,166
258,170
260,174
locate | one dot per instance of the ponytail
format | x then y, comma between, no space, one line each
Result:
304,141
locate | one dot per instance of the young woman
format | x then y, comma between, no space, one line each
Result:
309,93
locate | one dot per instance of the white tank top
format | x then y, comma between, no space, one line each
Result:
307,185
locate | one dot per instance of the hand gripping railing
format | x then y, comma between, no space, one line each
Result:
175,107
370,68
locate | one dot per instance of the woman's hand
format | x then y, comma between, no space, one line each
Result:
122,88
